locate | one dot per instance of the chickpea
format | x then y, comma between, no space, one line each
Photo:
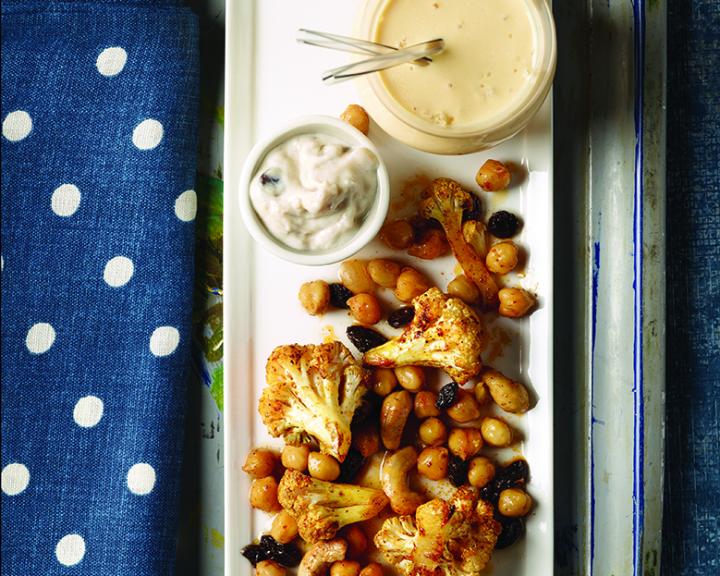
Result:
259,463
410,284
481,471
269,568
384,272
323,467
357,541
482,395
372,569
366,438
365,308
465,442
496,432
433,432
356,116
465,408
355,277
383,381
425,404
284,527
263,494
295,457
432,244
493,176
515,302
398,234
345,568
465,289
315,297
433,463
502,258
514,502
410,377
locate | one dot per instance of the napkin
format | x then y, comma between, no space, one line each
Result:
99,104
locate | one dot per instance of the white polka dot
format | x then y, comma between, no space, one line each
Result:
65,200
40,338
70,549
17,125
88,411
118,271
15,478
141,479
186,206
111,61
164,340
2,263
147,134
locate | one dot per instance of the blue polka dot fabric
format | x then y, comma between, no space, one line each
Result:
99,106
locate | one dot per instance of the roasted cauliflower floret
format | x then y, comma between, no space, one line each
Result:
445,333
453,538
445,203
322,508
312,393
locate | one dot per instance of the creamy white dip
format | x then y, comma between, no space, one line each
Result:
313,191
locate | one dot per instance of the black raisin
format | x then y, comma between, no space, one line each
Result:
401,316
475,211
267,178
457,471
369,405
503,224
517,472
512,531
254,553
364,338
491,492
350,467
339,295
447,396
284,554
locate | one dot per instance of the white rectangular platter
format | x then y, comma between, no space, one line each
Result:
270,79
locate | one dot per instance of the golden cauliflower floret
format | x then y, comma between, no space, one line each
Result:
453,538
445,333
312,392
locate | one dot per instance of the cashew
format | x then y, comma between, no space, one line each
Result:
394,414
395,479
510,396
317,560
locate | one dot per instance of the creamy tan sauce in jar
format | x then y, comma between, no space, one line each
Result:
487,67
313,191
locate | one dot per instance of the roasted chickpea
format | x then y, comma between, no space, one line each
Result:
502,258
345,568
383,381
263,494
323,467
384,272
259,463
465,407
411,378
269,568
482,394
515,302
366,438
493,176
480,471
357,541
398,234
514,502
295,457
372,569
496,432
410,284
433,432
433,463
432,244
355,277
356,116
425,404
465,442
284,527
465,289
365,308
315,297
